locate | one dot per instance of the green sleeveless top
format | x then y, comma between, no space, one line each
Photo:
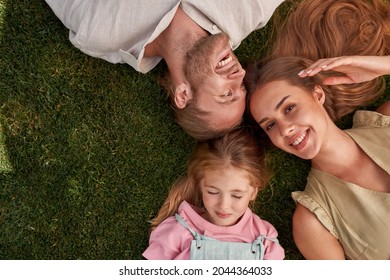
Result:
358,217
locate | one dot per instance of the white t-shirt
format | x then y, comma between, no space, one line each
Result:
119,30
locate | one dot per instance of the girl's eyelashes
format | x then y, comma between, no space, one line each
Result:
236,196
212,193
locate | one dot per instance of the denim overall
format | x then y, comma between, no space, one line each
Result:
207,248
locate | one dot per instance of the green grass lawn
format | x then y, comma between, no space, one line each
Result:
89,149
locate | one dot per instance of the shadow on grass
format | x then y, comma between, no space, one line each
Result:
5,165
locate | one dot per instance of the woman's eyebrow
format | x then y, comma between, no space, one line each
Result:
281,102
276,108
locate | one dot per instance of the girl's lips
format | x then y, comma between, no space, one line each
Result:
222,215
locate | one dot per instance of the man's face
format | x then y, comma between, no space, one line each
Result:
216,77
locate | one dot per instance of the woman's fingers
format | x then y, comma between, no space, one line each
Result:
324,65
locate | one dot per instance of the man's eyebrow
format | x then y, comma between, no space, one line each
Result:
276,108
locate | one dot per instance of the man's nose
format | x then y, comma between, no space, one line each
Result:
238,75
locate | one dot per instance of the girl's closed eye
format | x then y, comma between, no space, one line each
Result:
237,195
212,192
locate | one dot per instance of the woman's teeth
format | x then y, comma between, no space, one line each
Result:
299,139
224,61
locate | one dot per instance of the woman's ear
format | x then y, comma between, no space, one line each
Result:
183,95
319,94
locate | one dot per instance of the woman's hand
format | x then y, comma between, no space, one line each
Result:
357,69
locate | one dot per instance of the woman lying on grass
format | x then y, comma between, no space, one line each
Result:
343,213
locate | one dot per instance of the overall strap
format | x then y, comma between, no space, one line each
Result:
197,236
184,224
259,242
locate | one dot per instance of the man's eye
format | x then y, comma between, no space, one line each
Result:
227,94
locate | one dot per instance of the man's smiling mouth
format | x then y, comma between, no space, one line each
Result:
224,61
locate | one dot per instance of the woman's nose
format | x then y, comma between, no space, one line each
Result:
285,128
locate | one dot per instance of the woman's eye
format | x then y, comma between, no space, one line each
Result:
212,193
269,126
289,108
237,196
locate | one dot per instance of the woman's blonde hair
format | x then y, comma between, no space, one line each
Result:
238,148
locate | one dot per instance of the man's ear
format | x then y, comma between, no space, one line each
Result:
319,94
183,95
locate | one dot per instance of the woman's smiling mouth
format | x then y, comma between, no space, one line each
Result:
300,141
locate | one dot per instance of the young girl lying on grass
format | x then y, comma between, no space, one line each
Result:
207,214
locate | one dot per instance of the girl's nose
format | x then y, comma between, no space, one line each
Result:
223,203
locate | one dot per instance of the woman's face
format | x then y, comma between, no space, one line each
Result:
294,119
